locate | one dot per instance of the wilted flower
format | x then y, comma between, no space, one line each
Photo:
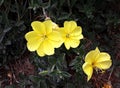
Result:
96,60
71,34
43,38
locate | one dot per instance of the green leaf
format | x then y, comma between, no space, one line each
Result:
1,2
73,62
43,73
65,74
43,84
2,36
64,16
69,85
10,86
52,60
73,2
34,78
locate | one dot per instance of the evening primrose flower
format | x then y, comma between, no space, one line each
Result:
96,60
71,34
43,38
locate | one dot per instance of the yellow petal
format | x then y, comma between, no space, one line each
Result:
38,27
54,36
34,43
103,56
62,33
69,26
48,48
55,39
73,25
40,51
67,44
31,35
56,44
103,61
77,37
34,40
71,43
104,64
48,26
55,26
88,70
92,55
77,31
74,43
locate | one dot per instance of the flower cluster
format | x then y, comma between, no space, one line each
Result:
46,36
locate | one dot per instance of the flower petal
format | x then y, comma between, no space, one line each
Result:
55,26
34,43
62,33
54,36
31,35
104,64
69,26
56,44
78,37
48,26
77,31
38,27
88,70
103,61
71,43
67,43
92,55
74,43
48,47
40,51
103,57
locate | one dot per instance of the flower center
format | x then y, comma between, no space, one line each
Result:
44,36
68,35
93,64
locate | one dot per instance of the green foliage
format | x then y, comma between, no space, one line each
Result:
12,30
98,19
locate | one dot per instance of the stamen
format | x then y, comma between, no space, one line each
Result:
68,35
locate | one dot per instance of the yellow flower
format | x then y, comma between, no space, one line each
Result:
96,60
43,39
71,34
55,26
